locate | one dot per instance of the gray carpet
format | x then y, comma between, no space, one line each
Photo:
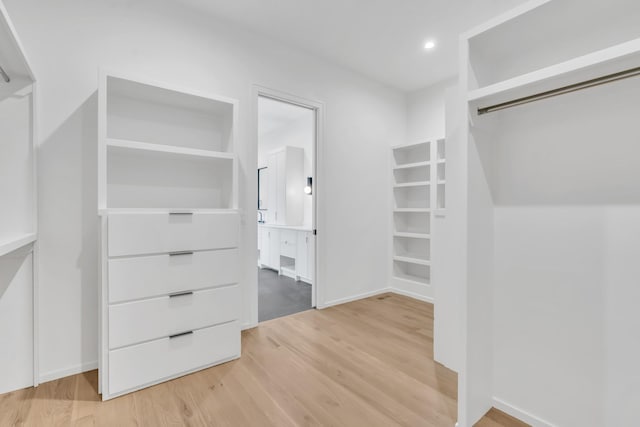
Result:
280,296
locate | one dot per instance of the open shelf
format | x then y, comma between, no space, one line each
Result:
412,235
157,179
412,210
168,149
408,154
155,114
596,64
412,222
8,245
441,196
415,273
419,174
495,48
413,184
411,260
412,197
412,165
441,153
442,171
417,251
164,148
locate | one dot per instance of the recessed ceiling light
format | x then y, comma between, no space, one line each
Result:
430,45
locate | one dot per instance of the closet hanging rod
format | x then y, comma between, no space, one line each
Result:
610,78
4,75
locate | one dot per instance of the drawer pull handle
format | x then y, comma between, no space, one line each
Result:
181,294
180,253
180,213
181,334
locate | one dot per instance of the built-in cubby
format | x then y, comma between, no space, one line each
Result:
411,154
412,197
148,179
420,173
411,272
414,248
156,115
441,196
411,221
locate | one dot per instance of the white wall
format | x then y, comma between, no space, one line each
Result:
298,133
426,112
68,40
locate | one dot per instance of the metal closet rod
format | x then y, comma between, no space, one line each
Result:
610,78
4,75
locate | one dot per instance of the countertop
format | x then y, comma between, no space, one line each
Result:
287,227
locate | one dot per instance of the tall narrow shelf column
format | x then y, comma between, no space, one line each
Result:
412,206
170,300
18,215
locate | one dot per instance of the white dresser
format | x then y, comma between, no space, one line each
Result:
170,300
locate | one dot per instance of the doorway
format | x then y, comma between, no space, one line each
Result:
286,206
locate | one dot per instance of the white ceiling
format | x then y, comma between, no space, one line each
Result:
382,39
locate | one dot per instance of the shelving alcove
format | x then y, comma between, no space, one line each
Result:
414,174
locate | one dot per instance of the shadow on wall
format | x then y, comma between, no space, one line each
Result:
9,267
68,228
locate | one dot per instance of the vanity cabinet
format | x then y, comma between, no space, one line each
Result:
269,248
305,256
289,251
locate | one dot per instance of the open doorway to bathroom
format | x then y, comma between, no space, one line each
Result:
287,134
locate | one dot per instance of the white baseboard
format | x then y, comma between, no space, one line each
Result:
354,298
374,293
61,373
520,414
411,295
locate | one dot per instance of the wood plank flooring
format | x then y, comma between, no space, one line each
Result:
366,363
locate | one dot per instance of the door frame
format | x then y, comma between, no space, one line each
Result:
317,290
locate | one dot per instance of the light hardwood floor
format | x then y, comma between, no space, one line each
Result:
366,363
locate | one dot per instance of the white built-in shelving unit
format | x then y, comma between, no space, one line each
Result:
533,284
170,301
412,188
18,214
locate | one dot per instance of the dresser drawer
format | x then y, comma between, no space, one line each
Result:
156,361
288,239
136,234
149,276
135,322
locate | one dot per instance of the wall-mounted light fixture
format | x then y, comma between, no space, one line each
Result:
308,189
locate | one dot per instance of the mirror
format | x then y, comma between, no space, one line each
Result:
262,189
